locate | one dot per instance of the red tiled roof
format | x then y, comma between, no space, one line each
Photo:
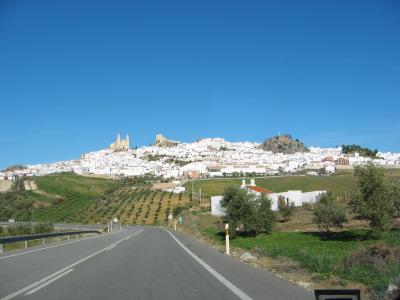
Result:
260,189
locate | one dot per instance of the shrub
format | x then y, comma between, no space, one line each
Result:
328,213
177,210
286,210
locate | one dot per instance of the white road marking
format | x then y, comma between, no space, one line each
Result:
27,288
234,289
47,283
109,248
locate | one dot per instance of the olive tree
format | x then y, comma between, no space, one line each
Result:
374,198
248,212
328,213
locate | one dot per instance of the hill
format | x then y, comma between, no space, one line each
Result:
351,149
59,198
283,144
67,197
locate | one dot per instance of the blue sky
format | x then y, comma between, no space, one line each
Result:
74,73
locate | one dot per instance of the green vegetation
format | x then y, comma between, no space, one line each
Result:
60,198
285,210
328,213
351,149
375,198
327,256
247,213
136,205
339,185
364,255
14,168
24,229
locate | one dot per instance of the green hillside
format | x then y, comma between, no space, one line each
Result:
60,198
76,192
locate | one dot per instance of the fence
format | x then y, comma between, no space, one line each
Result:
42,237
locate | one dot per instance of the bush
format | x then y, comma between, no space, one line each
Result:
43,228
328,213
20,229
286,210
177,210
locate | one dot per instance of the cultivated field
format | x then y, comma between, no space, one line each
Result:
340,185
135,205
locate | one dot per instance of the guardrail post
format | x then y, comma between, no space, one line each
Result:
44,241
1,248
26,244
77,236
67,237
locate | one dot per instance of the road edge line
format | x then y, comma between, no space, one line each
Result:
233,288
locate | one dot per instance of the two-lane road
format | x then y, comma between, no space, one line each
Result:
138,263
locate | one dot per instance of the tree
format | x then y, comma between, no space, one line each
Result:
248,212
286,210
239,209
265,217
328,213
374,198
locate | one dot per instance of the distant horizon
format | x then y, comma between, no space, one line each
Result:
326,72
182,141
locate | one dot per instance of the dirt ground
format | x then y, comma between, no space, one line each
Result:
5,185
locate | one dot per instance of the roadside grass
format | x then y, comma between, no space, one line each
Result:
325,256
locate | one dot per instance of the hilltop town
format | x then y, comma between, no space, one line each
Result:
209,157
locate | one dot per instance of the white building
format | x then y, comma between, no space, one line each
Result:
295,197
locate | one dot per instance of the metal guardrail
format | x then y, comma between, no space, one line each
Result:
40,236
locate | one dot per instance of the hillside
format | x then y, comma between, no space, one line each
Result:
135,205
68,197
59,198
283,144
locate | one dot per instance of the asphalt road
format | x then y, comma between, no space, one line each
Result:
137,263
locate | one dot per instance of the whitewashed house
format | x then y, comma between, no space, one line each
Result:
295,197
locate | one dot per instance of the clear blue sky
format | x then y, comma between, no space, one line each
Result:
74,73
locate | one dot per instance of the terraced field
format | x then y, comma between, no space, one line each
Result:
133,205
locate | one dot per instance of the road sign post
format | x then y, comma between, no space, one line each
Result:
227,250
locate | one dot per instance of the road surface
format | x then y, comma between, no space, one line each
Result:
137,263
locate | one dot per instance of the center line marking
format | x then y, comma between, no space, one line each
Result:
52,276
47,283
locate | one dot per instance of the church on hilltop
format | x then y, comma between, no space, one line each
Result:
120,144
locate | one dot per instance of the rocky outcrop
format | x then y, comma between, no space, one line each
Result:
283,144
162,141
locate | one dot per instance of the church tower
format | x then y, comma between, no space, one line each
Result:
127,141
